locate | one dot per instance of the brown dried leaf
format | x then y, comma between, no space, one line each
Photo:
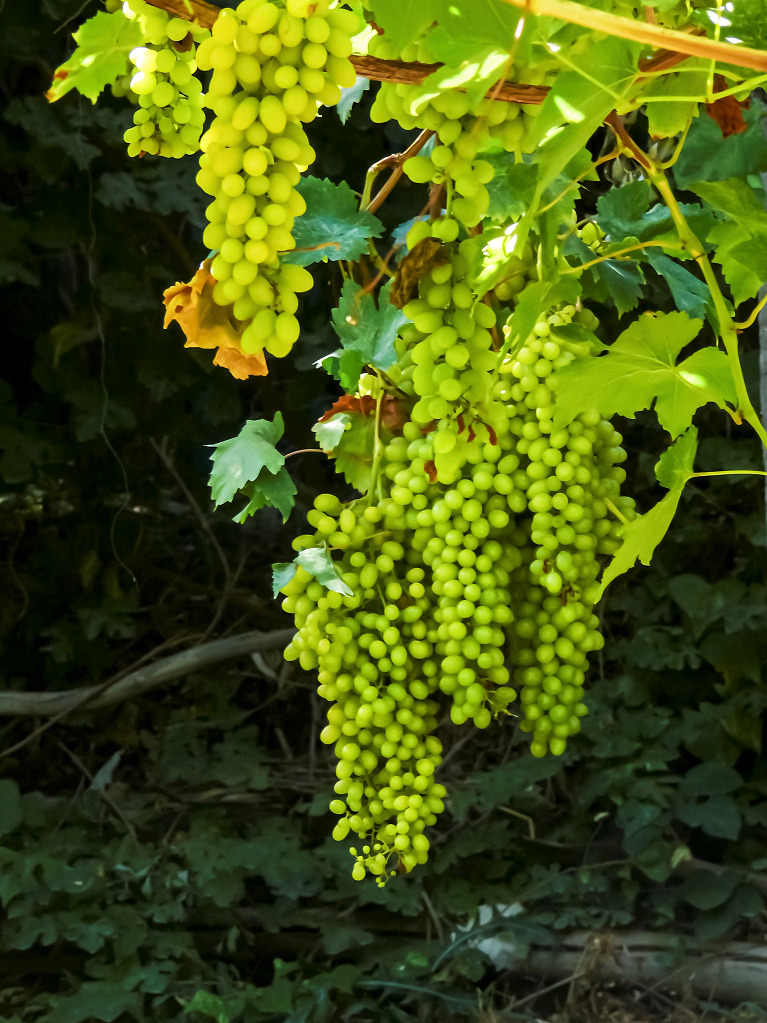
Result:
393,415
428,253
727,111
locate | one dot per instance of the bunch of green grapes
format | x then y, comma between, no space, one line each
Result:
462,131
273,66
426,625
169,118
571,478
449,357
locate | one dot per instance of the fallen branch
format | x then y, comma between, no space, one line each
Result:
733,971
17,704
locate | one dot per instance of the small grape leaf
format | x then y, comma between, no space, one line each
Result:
639,370
269,491
239,461
330,431
353,449
318,562
690,295
282,573
103,45
333,226
367,332
667,114
624,281
351,95
642,535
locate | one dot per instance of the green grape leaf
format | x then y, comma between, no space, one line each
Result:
690,294
512,188
318,562
240,460
666,114
330,432
743,259
741,244
404,21
367,332
674,467
476,73
269,491
624,213
624,282
103,45
282,573
707,156
354,452
639,370
641,536
351,95
575,102
736,199
333,226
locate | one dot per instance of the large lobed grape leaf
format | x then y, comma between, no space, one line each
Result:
639,369
333,226
103,45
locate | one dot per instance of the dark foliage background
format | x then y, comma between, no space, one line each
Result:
170,857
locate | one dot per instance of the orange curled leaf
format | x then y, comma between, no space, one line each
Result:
727,111
208,325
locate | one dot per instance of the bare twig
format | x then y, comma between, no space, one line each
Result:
104,795
162,453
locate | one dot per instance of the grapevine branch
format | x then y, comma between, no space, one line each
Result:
643,32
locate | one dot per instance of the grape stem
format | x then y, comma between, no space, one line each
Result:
377,445
396,161
616,511
730,472
690,242
622,252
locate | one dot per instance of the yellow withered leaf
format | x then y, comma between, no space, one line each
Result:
208,325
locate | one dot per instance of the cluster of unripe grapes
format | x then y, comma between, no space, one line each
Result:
466,587
169,116
447,356
273,66
462,130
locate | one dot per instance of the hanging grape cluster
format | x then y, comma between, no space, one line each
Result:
273,66
462,129
169,118
468,580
